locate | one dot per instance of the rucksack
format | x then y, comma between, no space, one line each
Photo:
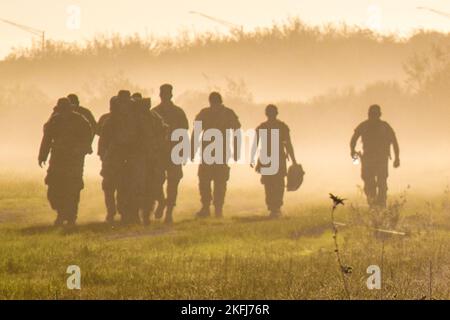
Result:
295,177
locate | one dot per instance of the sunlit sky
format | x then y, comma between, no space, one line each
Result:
169,17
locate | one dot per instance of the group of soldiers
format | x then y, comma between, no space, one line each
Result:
135,149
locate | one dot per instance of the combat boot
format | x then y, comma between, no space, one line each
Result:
71,222
204,212
169,219
109,218
218,211
59,221
274,214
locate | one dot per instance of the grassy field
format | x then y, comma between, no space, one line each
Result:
243,256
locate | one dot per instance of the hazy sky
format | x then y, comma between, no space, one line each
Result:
168,17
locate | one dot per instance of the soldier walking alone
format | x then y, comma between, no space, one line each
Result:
221,118
274,184
377,137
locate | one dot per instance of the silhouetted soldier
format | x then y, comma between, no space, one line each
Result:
216,116
148,162
274,184
121,136
67,137
111,165
175,118
377,137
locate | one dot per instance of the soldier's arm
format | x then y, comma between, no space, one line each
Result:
86,136
290,147
104,139
46,144
236,125
195,141
396,149
98,127
92,122
184,120
354,140
254,147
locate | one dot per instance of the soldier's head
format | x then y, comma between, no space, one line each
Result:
271,112
136,96
374,112
114,104
63,105
215,99
124,95
146,103
124,99
165,92
73,98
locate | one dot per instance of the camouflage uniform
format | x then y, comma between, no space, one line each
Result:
119,144
221,118
274,184
377,137
153,131
175,118
67,137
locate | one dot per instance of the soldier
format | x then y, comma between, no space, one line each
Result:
120,137
377,137
219,117
110,165
175,118
274,183
67,137
153,137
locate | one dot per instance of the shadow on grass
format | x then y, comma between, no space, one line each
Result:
94,227
111,231
254,218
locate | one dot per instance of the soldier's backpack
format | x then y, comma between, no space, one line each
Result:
295,177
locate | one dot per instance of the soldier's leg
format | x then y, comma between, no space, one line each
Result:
160,196
274,191
265,180
73,200
55,200
221,176
174,175
109,190
370,186
123,193
382,175
204,184
137,186
278,193
382,191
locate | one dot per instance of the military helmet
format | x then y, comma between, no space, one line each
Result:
63,104
124,94
136,96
